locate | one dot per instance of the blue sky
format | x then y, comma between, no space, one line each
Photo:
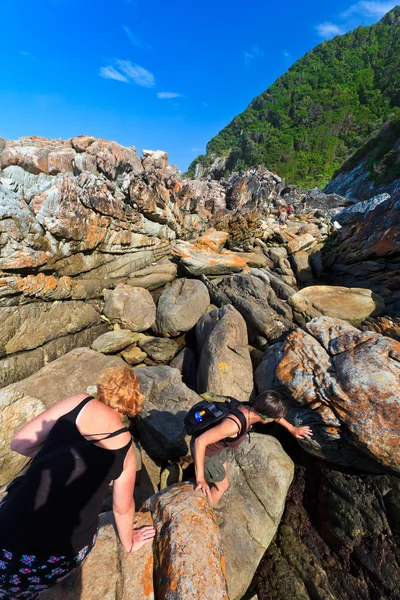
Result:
158,75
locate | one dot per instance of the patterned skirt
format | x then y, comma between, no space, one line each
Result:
27,575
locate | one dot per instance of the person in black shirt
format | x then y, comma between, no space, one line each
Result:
48,523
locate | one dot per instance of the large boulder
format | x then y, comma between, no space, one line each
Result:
20,402
260,473
166,402
130,307
345,384
189,560
180,306
225,364
267,317
351,304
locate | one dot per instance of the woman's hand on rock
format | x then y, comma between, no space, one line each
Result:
142,536
302,433
205,488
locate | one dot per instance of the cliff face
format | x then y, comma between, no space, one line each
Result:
78,216
366,253
374,169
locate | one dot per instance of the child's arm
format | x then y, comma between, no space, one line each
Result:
298,432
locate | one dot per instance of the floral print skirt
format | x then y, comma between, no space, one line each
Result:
26,576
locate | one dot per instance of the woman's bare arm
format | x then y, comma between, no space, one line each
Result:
29,439
124,507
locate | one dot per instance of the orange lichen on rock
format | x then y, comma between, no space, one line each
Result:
188,548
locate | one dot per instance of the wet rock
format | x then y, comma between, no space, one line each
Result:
351,304
225,365
337,539
189,562
344,383
132,308
180,306
114,341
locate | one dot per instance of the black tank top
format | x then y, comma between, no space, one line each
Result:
55,508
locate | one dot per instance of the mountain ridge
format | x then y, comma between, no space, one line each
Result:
318,113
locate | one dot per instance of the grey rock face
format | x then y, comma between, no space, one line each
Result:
265,314
180,306
356,212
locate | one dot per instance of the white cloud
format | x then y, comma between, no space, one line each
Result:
252,54
111,73
374,10
125,71
138,74
135,41
25,53
167,95
199,150
328,30
286,54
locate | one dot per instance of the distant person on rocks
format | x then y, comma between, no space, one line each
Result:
49,519
290,210
304,201
210,449
282,217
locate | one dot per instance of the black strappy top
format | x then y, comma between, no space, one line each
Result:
55,508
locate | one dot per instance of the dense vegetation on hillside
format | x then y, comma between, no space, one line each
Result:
321,111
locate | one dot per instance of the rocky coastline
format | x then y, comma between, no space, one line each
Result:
107,257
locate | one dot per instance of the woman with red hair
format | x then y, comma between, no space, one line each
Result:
48,523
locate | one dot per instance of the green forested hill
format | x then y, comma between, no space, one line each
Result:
321,111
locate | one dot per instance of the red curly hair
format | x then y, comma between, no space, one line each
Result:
119,388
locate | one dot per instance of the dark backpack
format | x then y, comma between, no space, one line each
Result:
206,414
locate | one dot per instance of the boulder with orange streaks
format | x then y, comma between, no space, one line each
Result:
189,561
345,384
